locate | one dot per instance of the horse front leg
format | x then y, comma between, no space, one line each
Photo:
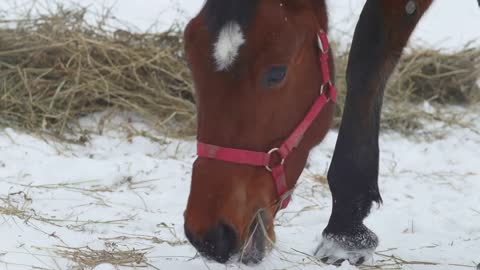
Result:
380,37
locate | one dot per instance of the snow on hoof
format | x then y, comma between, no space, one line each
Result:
335,249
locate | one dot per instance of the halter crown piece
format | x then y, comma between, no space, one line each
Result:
328,93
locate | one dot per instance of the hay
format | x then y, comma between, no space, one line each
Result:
58,67
423,75
436,76
88,258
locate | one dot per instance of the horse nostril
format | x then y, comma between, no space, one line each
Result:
219,244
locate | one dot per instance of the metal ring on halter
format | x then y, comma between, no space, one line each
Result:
270,154
322,88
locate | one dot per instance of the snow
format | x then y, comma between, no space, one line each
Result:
105,267
331,249
123,192
132,190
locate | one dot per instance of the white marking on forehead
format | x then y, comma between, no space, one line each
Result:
230,39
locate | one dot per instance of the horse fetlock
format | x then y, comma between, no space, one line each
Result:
357,246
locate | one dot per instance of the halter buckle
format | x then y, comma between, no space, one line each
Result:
270,153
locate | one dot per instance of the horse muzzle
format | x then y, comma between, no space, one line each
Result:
222,243
218,244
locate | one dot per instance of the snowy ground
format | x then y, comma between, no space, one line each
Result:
122,191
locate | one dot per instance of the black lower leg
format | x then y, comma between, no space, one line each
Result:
381,34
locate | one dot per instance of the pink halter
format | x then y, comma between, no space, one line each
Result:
328,93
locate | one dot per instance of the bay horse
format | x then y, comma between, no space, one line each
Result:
262,71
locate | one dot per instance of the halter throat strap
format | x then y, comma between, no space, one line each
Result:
328,93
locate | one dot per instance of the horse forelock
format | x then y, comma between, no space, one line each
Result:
227,22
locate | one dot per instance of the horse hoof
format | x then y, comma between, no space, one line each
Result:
356,249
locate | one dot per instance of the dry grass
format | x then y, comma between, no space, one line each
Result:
438,77
393,262
58,67
19,207
88,258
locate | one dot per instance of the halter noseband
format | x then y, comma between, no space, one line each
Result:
328,93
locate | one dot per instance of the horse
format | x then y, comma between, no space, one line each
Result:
265,95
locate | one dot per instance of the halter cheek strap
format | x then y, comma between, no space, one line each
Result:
328,93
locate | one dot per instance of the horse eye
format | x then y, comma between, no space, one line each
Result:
274,76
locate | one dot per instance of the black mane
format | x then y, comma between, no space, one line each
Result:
219,12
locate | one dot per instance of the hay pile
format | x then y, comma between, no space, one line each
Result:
445,78
58,67
438,77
